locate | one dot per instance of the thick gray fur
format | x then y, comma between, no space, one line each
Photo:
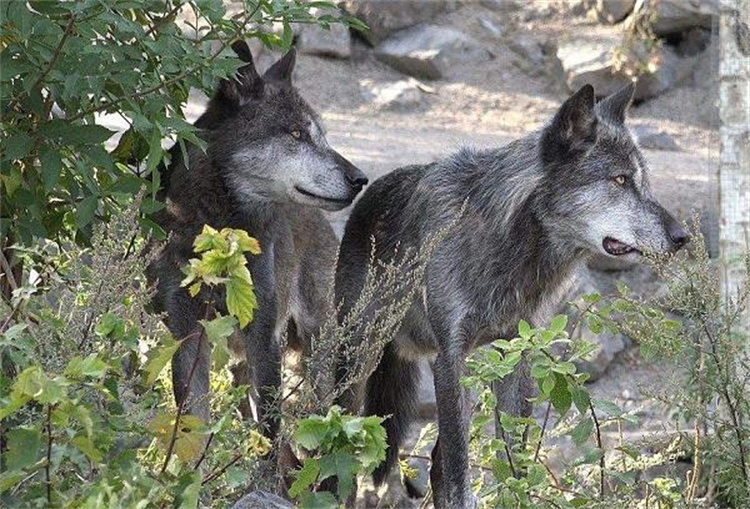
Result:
268,170
531,212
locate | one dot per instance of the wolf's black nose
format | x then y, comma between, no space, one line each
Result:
678,235
358,179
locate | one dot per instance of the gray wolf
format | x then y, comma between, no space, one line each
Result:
268,169
530,213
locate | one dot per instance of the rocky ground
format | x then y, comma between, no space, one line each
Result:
435,75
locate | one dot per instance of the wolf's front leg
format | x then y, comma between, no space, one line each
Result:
191,362
449,474
262,346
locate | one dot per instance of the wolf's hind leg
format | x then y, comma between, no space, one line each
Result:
392,391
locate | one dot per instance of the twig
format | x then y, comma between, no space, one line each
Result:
8,270
205,450
217,473
544,427
156,26
602,461
49,455
181,406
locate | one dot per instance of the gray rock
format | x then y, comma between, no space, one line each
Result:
673,16
334,42
527,48
384,17
654,139
585,62
262,500
613,11
428,51
396,95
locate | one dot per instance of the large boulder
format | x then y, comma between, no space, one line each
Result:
395,95
428,51
585,62
673,16
333,42
384,17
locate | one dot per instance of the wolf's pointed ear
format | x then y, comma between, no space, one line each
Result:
574,126
246,84
282,70
615,107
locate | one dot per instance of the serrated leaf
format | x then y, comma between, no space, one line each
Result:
311,432
560,396
158,359
344,467
87,447
305,477
240,299
318,500
524,329
51,167
22,447
582,431
558,323
219,328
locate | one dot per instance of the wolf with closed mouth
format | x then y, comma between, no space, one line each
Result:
267,169
530,213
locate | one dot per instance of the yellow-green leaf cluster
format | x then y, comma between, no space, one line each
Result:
223,261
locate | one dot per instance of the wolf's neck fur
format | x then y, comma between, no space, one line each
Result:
515,263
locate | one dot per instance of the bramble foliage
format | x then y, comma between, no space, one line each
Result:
344,447
699,340
96,404
66,63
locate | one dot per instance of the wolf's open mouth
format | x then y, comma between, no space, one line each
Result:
616,248
312,195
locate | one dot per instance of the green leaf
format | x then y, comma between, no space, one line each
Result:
582,431
311,432
219,328
524,329
23,447
85,211
75,134
560,396
158,358
241,301
187,491
305,477
342,465
51,168
580,398
91,366
87,447
17,147
558,324
608,407
319,500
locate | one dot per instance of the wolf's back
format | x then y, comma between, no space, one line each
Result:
376,215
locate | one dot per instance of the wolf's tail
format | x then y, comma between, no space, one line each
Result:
392,392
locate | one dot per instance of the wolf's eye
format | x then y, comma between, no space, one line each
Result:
620,180
296,133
